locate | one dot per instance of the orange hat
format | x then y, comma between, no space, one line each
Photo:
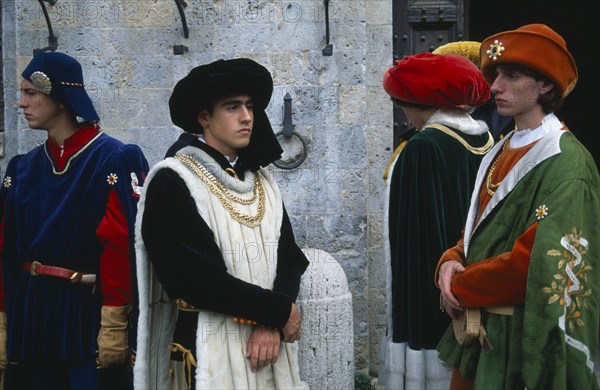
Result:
438,80
536,46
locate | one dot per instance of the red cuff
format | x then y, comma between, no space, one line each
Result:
499,280
456,253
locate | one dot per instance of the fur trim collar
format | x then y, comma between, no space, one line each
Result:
459,120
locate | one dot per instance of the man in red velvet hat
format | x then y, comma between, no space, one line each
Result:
527,266
67,209
429,183
499,125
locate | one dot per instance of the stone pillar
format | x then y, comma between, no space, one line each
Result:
326,346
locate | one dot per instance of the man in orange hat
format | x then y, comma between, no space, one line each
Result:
527,264
429,184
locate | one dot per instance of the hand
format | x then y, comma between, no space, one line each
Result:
263,347
449,302
451,311
113,340
291,330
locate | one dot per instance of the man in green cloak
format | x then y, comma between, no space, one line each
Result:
527,267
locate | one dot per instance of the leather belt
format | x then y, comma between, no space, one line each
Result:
468,328
502,310
38,269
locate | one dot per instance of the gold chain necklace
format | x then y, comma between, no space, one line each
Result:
489,186
226,197
481,150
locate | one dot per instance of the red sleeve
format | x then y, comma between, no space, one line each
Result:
499,280
456,253
115,265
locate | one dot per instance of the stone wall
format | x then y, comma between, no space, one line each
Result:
127,51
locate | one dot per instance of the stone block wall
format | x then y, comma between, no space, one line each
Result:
126,48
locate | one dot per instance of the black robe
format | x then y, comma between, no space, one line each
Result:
430,192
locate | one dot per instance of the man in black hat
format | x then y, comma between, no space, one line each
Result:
219,269
68,210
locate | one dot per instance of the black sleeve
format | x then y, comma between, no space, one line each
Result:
188,262
291,261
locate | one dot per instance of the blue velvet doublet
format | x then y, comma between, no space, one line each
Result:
52,217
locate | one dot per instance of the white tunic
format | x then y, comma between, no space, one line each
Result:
250,254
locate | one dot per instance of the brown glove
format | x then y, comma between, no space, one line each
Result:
113,346
3,340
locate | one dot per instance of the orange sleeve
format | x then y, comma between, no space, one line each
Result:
456,253
115,265
498,281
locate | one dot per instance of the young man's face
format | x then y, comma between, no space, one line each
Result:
517,93
229,127
40,110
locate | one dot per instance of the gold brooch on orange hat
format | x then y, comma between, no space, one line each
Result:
495,50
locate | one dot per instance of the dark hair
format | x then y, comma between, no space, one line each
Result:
208,103
403,104
549,101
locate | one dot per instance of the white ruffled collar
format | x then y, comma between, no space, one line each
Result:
525,137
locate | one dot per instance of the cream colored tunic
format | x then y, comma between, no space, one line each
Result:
250,254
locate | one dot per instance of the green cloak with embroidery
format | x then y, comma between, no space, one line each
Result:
551,341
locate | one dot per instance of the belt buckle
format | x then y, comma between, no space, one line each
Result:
34,264
76,277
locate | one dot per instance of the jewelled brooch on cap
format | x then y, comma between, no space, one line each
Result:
495,50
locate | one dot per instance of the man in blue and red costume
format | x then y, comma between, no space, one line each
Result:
67,211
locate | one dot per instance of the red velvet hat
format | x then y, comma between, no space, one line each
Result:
536,46
438,80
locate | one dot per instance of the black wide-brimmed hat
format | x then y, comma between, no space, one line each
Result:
207,83
60,77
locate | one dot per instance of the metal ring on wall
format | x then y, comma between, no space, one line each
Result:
291,158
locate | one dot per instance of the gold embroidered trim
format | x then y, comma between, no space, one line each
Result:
478,150
225,197
570,287
393,158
